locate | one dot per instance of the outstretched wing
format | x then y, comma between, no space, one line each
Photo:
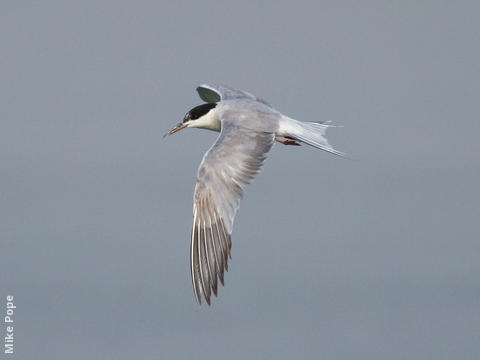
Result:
234,160
216,93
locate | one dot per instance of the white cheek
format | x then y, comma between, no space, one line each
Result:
208,121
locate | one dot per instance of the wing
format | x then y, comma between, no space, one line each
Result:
233,161
216,93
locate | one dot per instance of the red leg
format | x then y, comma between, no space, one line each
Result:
287,142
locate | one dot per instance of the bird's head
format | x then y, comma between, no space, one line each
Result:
196,117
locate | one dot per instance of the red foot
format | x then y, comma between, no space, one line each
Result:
287,142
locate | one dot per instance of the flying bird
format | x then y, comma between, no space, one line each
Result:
248,128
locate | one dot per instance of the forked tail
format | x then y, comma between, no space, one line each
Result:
311,133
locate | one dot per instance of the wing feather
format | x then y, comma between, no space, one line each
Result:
202,254
195,264
216,93
232,162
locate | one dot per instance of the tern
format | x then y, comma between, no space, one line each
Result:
248,128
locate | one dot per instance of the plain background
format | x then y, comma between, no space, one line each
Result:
372,258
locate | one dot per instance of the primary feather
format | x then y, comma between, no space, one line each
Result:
219,189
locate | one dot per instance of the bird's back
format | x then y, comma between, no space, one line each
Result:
250,114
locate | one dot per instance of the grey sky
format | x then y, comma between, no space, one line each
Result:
376,258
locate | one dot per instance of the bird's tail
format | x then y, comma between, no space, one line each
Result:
313,134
